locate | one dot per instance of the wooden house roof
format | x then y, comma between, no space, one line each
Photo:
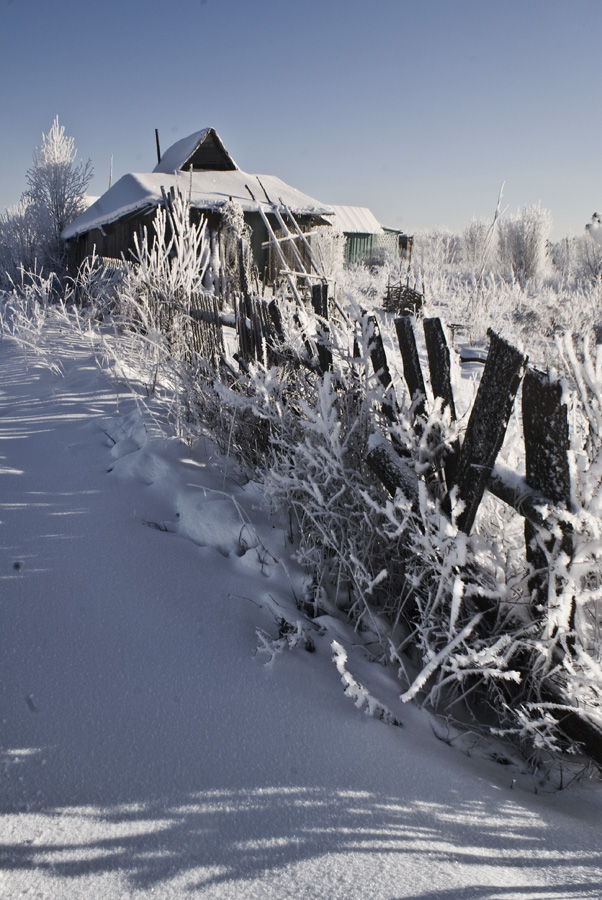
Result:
206,188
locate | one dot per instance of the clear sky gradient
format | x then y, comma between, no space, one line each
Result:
418,110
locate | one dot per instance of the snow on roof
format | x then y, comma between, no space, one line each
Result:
206,189
355,220
184,152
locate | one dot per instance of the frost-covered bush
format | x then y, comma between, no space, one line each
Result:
167,270
479,246
523,243
438,247
328,248
19,246
577,259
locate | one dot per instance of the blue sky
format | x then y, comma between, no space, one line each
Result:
419,110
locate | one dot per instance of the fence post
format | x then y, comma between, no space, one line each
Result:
440,372
487,425
547,470
243,329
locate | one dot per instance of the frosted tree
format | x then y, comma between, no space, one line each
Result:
56,190
18,241
523,243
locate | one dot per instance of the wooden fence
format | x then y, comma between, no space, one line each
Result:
470,468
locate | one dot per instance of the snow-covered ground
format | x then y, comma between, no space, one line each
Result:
148,749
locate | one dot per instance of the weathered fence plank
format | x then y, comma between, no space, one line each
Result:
205,324
411,363
439,363
390,470
319,300
487,425
546,433
378,358
547,469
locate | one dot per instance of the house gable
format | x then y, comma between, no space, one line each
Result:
204,151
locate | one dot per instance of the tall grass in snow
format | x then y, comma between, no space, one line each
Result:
451,611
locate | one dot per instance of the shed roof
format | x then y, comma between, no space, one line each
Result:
355,220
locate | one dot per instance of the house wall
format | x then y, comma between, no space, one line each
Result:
117,240
111,241
367,248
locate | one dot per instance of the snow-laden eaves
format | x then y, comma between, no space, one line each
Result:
205,189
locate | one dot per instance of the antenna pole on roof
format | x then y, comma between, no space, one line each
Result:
158,145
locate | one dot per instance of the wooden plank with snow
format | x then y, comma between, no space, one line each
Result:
319,300
378,358
547,469
439,363
487,424
411,364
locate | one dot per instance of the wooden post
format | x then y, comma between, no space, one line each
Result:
411,364
319,300
244,331
378,358
439,363
487,425
547,470
276,317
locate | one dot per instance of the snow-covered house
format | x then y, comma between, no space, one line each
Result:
199,168
366,240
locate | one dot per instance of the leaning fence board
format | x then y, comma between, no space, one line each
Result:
411,363
283,263
439,363
378,358
376,350
487,425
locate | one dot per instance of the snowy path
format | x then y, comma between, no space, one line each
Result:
145,748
